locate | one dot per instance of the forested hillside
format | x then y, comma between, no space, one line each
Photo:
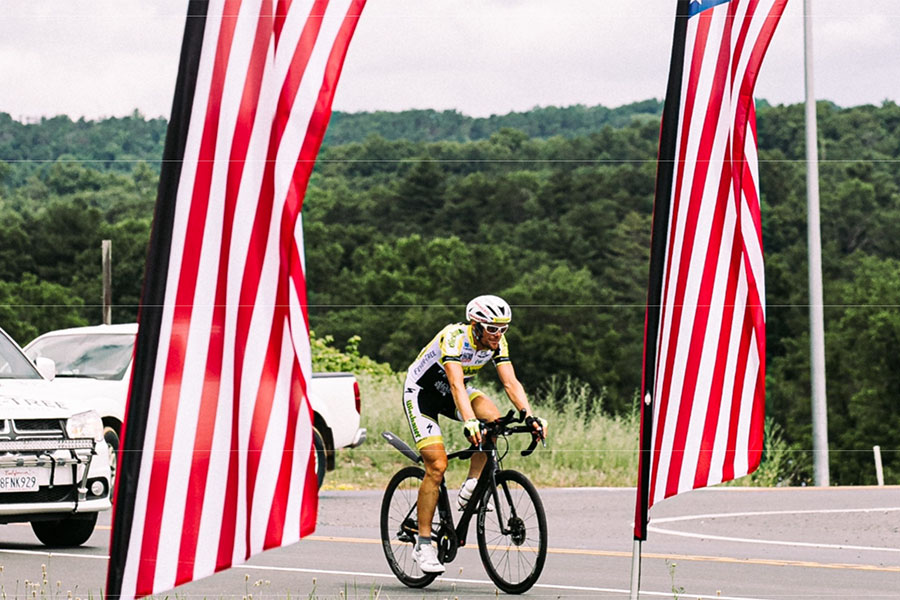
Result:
410,214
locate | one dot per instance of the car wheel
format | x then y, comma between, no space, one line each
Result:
112,440
73,530
319,447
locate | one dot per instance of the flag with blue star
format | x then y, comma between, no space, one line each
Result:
698,6
702,419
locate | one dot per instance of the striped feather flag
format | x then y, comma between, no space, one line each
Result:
216,463
704,344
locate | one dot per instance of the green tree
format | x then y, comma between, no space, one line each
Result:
863,381
31,307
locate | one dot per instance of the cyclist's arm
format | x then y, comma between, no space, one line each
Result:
513,387
458,389
516,394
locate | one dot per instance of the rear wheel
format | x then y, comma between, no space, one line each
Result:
73,530
319,448
512,537
399,527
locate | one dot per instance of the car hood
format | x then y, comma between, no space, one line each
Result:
86,388
34,399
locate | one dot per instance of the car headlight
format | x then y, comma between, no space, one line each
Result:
85,425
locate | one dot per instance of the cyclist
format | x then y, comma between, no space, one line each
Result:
437,384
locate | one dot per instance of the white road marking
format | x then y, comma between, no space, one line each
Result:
687,534
548,586
52,554
820,511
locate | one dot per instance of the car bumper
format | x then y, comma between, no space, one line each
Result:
26,511
66,482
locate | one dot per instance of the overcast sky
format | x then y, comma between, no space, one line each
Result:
97,58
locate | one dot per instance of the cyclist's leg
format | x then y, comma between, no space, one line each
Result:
422,416
485,409
435,458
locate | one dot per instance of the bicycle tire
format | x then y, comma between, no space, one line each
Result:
514,560
399,501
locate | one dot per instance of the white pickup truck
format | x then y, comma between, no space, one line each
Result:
54,465
94,365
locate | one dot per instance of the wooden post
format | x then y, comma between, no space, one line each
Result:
879,470
106,250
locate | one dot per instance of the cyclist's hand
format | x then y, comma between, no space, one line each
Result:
539,425
472,431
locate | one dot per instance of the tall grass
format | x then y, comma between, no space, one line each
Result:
780,466
585,447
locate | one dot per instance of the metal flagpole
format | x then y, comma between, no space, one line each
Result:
635,570
643,491
668,137
816,313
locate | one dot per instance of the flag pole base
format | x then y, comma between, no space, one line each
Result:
635,570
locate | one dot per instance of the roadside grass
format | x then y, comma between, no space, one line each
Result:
41,588
585,447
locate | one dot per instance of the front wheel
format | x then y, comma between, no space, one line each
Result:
512,536
70,531
399,526
112,440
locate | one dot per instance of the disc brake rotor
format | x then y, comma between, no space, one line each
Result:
517,531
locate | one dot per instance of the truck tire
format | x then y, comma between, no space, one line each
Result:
73,530
112,440
319,447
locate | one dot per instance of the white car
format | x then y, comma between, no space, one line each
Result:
93,364
54,463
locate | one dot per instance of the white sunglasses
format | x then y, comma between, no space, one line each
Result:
495,329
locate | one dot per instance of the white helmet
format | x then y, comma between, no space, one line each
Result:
488,309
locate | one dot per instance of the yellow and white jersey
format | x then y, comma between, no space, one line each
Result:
453,343
426,393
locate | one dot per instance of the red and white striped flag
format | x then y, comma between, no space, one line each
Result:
217,447
704,363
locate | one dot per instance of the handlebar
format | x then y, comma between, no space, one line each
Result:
501,427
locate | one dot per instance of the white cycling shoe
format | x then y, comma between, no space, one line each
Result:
426,557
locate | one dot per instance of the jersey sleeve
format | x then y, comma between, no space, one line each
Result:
451,344
501,354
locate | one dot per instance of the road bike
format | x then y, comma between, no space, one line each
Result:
511,527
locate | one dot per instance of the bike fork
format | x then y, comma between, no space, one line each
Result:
498,507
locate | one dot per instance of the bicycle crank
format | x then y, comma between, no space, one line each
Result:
408,530
447,545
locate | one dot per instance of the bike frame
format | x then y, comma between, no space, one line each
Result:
487,480
493,485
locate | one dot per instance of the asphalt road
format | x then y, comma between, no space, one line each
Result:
795,543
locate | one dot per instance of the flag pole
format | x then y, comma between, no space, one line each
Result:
152,299
665,170
816,311
635,570
643,492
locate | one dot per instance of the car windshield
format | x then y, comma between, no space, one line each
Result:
13,364
97,356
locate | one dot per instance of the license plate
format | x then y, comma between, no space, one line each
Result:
19,479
